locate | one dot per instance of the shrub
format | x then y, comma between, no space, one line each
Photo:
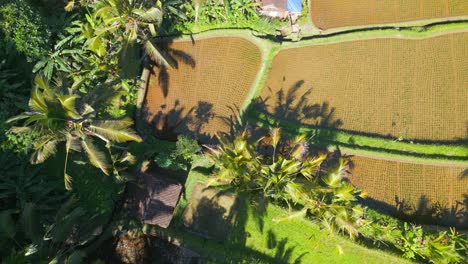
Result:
24,28
186,149
286,171
13,98
215,11
180,157
442,247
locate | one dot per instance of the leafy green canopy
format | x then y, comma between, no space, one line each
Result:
316,186
286,171
123,27
59,115
22,27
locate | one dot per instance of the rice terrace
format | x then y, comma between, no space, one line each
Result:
329,14
234,131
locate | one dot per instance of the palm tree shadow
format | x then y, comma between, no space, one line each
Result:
173,57
291,108
283,254
424,211
169,123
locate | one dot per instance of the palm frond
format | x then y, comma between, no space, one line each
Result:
96,157
44,147
70,5
98,97
154,54
40,82
275,136
115,130
152,15
37,101
68,104
16,118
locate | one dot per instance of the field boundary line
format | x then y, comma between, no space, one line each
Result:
378,156
318,40
386,153
410,23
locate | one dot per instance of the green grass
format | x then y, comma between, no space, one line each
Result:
384,147
257,239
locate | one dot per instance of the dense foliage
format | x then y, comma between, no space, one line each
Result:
286,171
23,27
181,156
315,185
79,69
58,114
77,122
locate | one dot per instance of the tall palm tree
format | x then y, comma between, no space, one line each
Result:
132,23
59,115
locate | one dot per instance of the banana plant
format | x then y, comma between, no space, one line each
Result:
60,116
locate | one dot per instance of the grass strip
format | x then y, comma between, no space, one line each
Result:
262,239
382,147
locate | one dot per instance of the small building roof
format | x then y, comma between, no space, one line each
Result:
156,205
274,8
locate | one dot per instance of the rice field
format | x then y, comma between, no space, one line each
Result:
328,14
212,77
401,88
393,182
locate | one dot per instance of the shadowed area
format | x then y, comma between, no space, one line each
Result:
211,77
210,213
421,193
328,14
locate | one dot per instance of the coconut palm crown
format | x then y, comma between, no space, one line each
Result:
59,115
132,23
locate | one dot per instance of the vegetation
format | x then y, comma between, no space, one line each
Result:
181,156
258,236
23,27
289,173
58,115
402,148
285,171
78,63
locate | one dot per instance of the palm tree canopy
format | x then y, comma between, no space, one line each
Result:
59,114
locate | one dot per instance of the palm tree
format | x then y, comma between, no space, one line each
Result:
285,171
269,165
59,115
334,201
132,23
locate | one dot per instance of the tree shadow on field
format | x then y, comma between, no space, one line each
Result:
283,253
169,123
424,211
291,108
221,217
173,57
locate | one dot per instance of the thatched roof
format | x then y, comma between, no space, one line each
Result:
156,205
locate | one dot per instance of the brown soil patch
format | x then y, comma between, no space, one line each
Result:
413,188
212,77
415,89
328,14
